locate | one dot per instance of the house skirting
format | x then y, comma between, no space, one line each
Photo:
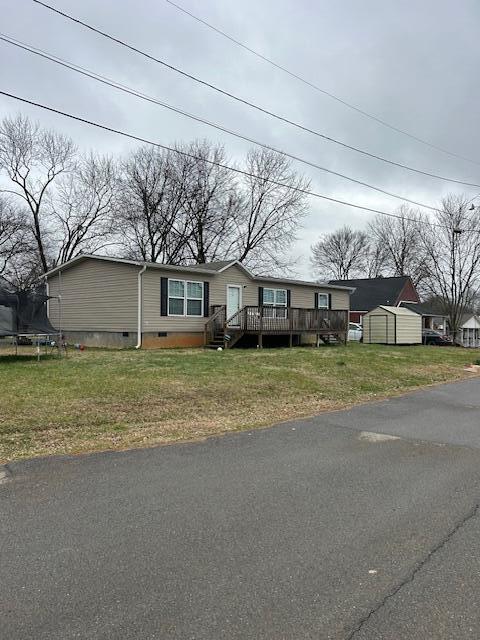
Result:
128,339
157,340
109,339
171,339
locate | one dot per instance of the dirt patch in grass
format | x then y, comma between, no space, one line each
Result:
98,399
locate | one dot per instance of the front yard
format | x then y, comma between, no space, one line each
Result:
99,399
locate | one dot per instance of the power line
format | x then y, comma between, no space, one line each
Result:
242,172
316,87
121,87
211,162
251,104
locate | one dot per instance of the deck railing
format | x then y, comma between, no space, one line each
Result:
216,322
266,319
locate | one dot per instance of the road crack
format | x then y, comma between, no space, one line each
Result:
418,567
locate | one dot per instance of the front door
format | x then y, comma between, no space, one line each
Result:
234,302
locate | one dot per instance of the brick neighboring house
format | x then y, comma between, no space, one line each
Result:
375,292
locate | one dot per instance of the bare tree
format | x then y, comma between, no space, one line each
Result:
377,260
211,204
400,240
82,208
341,255
152,193
182,208
451,241
13,229
33,158
271,210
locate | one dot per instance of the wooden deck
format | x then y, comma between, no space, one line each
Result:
326,324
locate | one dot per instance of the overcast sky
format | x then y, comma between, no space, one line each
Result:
414,64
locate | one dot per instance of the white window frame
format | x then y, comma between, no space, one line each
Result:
185,299
327,296
274,305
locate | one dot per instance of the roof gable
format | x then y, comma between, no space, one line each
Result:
397,311
470,321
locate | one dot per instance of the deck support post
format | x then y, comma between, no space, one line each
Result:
290,342
260,341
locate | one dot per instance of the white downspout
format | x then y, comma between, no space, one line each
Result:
139,310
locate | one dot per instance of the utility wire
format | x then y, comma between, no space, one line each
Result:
314,86
121,87
211,162
242,172
251,104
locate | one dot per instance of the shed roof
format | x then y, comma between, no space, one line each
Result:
373,292
396,311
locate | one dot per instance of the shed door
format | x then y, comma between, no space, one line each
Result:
378,326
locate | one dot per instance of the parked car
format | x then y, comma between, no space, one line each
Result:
431,337
355,332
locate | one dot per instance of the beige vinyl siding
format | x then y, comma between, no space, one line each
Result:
409,330
395,326
304,295
301,296
379,328
233,275
340,299
152,320
97,295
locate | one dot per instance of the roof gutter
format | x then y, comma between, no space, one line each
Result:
140,304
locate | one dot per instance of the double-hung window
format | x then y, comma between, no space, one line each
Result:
322,300
275,303
185,298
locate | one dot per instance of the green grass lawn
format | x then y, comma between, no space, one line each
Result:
99,399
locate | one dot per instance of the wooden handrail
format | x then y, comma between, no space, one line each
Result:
294,319
268,319
214,322
233,316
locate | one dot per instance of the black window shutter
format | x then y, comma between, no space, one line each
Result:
316,301
163,296
206,299
329,300
260,296
289,298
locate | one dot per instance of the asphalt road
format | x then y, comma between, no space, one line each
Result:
310,529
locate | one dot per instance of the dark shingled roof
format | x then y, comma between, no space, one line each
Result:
373,292
422,309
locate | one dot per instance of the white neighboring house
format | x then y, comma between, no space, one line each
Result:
469,333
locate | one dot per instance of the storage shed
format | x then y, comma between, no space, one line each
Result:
392,325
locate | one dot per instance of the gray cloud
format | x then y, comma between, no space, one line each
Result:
412,64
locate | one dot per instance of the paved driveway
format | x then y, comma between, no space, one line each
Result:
311,529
